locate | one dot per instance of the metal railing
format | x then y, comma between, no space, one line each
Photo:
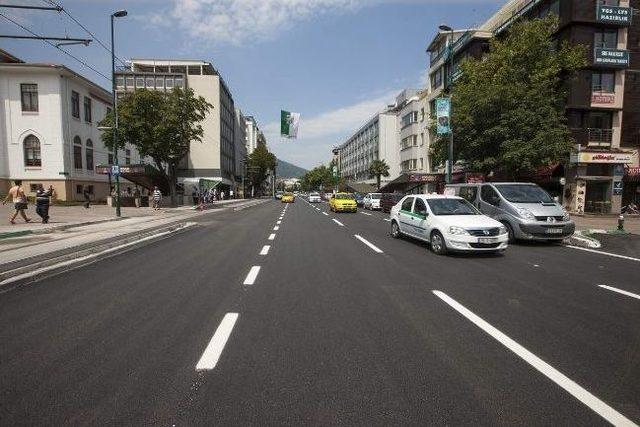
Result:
600,137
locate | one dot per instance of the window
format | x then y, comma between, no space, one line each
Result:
410,141
150,82
489,195
29,97
159,83
600,120
77,152
75,104
603,81
90,189
410,118
436,79
469,193
140,82
127,157
89,155
610,2
421,163
32,156
130,82
179,82
87,109
606,38
406,205
78,189
120,82
34,187
419,207
169,83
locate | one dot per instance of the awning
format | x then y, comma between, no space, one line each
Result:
360,187
143,175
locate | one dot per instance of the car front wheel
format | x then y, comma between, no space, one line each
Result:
438,245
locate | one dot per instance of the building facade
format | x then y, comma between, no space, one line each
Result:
211,163
413,127
252,131
49,133
240,146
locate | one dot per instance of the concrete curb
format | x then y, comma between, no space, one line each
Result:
581,239
56,228
47,267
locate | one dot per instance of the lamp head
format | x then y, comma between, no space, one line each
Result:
444,27
119,14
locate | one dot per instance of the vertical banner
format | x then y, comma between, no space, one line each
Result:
289,123
443,115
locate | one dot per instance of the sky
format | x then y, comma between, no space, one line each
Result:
336,62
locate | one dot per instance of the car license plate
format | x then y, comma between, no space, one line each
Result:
485,240
554,230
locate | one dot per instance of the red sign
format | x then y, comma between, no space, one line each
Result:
632,171
598,98
475,178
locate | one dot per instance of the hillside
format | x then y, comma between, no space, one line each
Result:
288,170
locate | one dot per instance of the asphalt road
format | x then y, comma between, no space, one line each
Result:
329,329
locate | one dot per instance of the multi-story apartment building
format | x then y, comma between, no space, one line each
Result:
375,140
241,150
212,162
49,133
603,108
252,131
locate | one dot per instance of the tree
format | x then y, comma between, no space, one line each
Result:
508,107
378,168
321,176
259,163
161,126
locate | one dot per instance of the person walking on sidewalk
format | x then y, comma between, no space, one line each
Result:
43,200
230,194
87,197
137,197
157,197
19,201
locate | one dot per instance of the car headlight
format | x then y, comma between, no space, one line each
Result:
525,213
458,231
503,230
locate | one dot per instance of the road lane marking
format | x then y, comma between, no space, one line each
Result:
368,243
365,213
272,236
595,404
387,219
252,275
604,253
338,222
278,222
276,228
324,213
211,355
265,250
620,291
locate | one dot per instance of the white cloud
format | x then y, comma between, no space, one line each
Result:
239,21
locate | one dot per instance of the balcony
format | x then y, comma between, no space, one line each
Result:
599,137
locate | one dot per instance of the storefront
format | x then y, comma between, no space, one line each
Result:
631,186
595,181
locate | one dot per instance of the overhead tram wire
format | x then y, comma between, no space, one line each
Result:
57,47
55,4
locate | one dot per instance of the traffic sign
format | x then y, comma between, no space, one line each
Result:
617,188
115,170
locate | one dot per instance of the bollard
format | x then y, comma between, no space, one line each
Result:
621,223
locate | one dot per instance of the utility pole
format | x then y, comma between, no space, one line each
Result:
117,14
449,177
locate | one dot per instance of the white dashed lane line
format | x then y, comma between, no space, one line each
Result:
272,236
276,228
324,213
212,353
387,219
365,213
278,222
338,222
265,250
591,401
252,275
620,291
368,243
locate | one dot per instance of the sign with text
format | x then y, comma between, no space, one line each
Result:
614,14
443,115
603,98
611,57
115,170
625,158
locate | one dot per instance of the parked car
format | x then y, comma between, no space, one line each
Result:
327,196
526,210
314,198
448,223
343,202
372,201
389,200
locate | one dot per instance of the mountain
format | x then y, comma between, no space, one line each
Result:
288,170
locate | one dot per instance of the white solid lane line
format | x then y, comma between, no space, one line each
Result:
596,405
251,277
272,236
338,222
620,291
324,213
368,243
276,228
604,253
365,213
265,250
211,355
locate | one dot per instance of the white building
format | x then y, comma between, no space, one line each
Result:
413,127
252,132
241,150
49,133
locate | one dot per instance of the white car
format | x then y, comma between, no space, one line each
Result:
314,198
448,223
372,201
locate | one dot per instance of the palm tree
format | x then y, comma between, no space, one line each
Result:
377,169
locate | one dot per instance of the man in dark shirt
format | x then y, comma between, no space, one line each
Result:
43,200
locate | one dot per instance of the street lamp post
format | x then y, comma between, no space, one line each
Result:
117,14
449,78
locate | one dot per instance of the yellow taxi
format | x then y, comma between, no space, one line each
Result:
343,202
288,198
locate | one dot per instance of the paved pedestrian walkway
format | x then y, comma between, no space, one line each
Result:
631,223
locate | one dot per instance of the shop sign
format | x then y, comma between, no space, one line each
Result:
475,178
632,171
420,177
614,14
611,57
617,188
601,158
599,98
120,169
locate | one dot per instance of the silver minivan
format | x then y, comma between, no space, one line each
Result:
525,209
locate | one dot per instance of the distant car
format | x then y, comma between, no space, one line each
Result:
389,200
448,223
327,196
314,198
359,199
288,198
279,195
372,201
343,202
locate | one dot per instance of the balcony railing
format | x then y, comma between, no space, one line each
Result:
599,137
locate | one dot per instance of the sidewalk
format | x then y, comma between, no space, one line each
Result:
631,223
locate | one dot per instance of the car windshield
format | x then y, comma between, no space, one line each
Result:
376,196
314,195
518,193
451,207
344,196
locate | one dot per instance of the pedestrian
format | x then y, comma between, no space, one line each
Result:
137,197
157,197
230,194
194,195
129,194
43,200
222,195
20,202
87,197
215,194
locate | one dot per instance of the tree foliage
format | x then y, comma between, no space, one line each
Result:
161,126
377,169
508,107
259,163
320,177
